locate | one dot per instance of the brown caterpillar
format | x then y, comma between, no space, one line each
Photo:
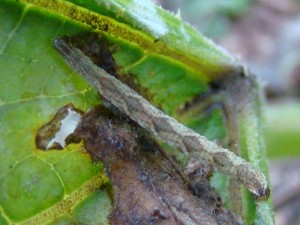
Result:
161,125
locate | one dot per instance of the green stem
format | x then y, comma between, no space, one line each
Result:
253,149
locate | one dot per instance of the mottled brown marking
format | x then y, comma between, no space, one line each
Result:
147,188
96,47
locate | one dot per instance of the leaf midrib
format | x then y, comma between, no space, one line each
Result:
148,44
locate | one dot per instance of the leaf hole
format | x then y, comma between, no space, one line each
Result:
57,133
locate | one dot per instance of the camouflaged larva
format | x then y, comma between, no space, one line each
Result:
161,125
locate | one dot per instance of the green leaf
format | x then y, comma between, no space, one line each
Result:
34,84
167,59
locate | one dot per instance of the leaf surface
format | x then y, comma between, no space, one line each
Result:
168,60
34,84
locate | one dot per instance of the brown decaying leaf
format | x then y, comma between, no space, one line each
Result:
147,188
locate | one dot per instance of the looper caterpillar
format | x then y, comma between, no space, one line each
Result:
161,125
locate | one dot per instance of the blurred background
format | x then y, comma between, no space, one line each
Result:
265,34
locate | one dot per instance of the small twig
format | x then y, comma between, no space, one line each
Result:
161,125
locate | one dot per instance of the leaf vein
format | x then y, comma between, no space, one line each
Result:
14,30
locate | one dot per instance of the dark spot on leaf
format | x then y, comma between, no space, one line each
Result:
158,215
99,127
203,103
96,47
147,188
105,27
